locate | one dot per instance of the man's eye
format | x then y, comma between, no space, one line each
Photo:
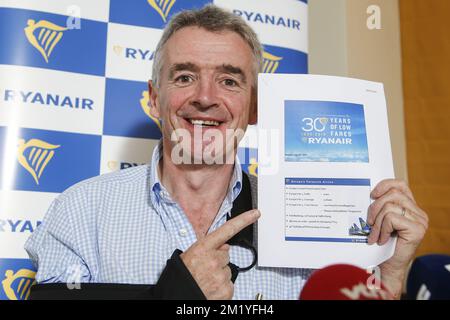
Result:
183,79
230,82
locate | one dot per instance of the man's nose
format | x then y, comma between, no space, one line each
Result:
205,95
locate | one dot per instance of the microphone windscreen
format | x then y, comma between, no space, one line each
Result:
429,278
343,282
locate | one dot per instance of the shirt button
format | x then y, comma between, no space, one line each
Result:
183,232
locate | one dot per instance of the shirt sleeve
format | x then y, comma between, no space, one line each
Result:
55,248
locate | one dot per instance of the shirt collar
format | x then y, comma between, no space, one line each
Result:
159,193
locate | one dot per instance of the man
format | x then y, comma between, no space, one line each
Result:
126,227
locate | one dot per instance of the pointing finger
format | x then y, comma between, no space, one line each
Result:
227,231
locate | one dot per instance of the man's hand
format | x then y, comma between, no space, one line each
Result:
395,210
207,259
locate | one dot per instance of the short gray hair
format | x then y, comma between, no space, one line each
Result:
210,18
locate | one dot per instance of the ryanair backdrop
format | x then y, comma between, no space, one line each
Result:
74,99
127,111
16,279
50,161
38,39
149,13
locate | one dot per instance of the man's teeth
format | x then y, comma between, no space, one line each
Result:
204,122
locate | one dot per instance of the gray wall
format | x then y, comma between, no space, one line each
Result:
341,44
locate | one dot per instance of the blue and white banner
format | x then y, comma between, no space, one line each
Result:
74,98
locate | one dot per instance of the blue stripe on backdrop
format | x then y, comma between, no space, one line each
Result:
126,110
285,60
51,161
37,39
151,13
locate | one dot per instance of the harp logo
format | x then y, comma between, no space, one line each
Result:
146,108
17,285
253,167
162,7
270,62
118,50
44,36
35,155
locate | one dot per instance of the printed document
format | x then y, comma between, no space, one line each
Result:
323,145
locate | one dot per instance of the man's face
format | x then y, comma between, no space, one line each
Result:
206,87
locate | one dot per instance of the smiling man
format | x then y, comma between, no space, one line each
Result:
206,84
181,224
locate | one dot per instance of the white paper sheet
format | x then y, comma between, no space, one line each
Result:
323,145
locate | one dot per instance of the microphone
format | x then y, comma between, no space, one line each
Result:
429,278
343,282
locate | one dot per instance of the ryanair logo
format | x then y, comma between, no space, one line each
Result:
17,285
145,105
44,36
48,99
35,155
118,50
162,7
278,21
270,62
253,167
134,53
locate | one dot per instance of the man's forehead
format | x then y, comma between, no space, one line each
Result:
202,47
195,39
204,33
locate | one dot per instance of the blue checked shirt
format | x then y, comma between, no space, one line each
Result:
122,227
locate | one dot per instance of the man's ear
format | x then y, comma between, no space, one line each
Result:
253,116
153,100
